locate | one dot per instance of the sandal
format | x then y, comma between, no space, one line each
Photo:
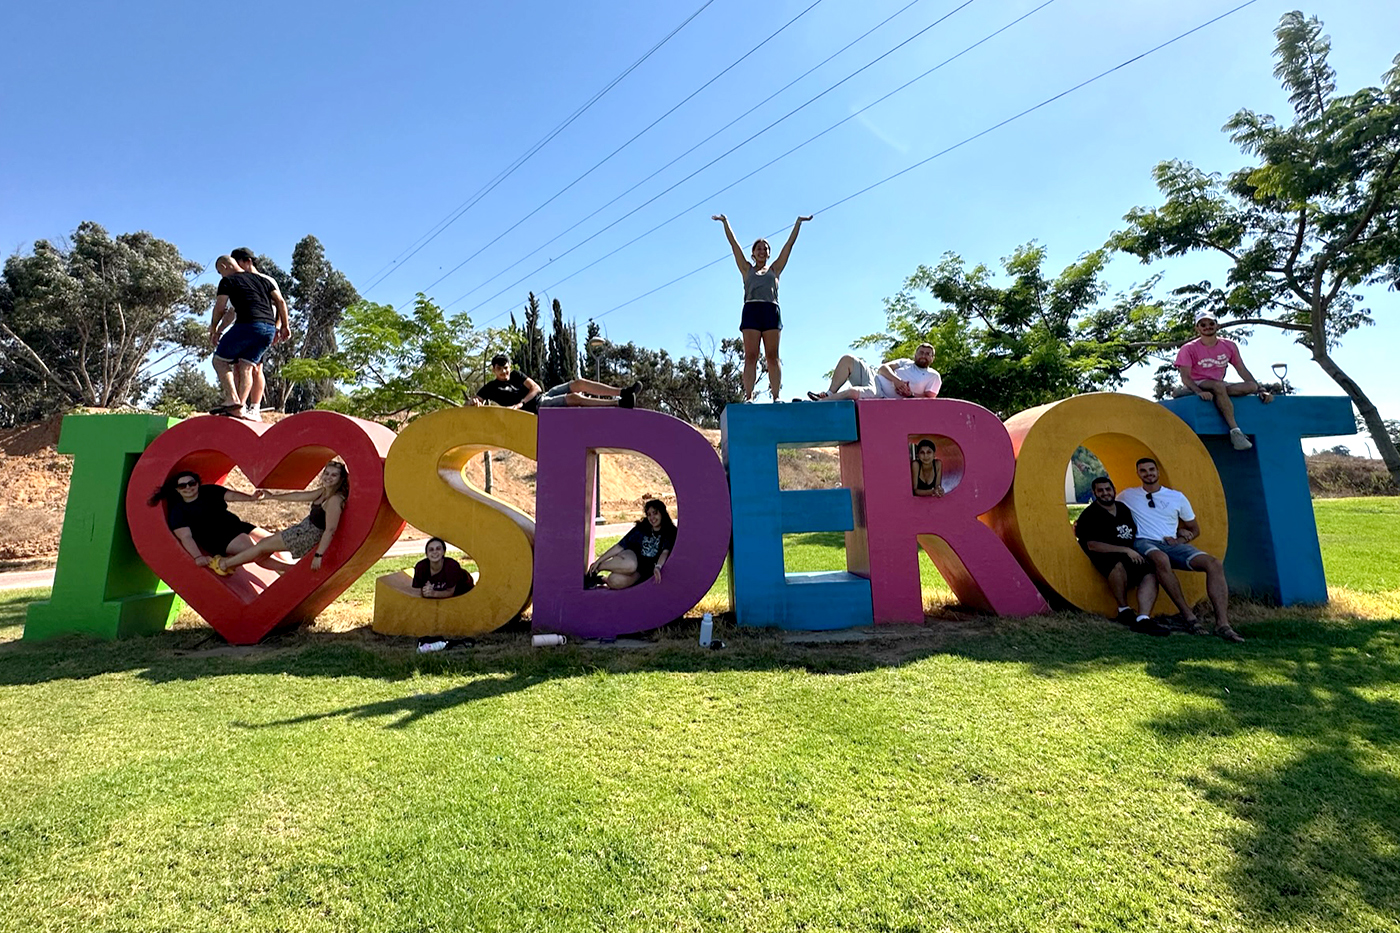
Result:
216,564
817,396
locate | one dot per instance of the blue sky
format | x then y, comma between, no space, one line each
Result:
366,127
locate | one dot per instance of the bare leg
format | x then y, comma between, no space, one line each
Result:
775,365
621,581
575,400
1169,582
1222,402
841,373
751,340
1146,595
244,373
224,372
263,548
1118,584
626,562
1216,587
594,388
256,388
251,539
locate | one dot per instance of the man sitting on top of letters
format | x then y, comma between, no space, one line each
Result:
1166,527
1106,531
903,378
1205,362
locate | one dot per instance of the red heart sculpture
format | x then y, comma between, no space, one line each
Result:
244,607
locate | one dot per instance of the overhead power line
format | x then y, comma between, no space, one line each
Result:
686,210
629,142
958,145
721,156
520,160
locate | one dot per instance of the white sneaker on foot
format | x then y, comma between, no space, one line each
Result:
1238,440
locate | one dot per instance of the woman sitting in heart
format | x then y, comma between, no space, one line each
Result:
198,514
314,531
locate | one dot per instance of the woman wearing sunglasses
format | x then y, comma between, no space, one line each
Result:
198,515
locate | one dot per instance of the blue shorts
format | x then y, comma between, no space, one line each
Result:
246,342
1180,555
556,397
761,316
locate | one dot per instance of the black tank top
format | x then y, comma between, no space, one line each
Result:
920,484
318,516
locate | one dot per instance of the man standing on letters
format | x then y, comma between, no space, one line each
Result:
257,309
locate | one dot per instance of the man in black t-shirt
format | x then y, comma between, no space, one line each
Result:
1106,531
253,305
509,389
516,390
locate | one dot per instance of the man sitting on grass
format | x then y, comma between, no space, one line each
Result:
1106,531
1166,527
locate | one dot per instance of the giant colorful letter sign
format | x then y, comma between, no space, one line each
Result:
759,590
978,466
426,480
564,535
101,587
1274,550
1119,429
287,455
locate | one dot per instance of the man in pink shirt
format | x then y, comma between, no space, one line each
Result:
1204,363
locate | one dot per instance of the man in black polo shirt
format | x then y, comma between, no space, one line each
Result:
1106,531
257,308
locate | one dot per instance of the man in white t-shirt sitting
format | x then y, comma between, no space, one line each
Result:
1166,527
902,378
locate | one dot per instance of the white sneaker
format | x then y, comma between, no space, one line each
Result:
1238,440
251,414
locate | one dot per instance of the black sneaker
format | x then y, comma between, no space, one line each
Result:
627,398
592,581
1151,627
1125,617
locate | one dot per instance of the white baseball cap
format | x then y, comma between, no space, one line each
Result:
1205,316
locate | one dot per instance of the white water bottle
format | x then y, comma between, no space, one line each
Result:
707,630
548,641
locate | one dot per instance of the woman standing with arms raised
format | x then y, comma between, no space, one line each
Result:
762,320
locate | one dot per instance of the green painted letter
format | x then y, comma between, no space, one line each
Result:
101,586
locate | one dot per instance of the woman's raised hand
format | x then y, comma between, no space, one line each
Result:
719,217
803,220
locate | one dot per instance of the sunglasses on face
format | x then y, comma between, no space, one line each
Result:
187,484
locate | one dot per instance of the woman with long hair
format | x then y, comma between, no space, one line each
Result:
199,516
314,531
640,554
761,320
438,576
927,471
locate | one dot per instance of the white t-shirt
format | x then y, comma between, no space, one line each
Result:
920,380
1158,521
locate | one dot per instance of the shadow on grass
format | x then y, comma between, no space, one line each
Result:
1315,830
1318,829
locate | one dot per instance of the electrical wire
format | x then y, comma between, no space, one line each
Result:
904,171
685,211
629,142
490,186
722,155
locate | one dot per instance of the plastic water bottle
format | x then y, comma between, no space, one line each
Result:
547,641
707,630
430,646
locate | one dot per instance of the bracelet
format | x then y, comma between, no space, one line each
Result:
318,554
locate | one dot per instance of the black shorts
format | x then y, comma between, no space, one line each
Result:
1104,564
761,316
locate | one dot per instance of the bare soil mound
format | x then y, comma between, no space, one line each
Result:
34,479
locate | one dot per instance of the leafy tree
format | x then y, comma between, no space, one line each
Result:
1341,450
95,321
1031,341
319,295
526,344
185,392
1390,425
403,364
1315,216
561,364
693,388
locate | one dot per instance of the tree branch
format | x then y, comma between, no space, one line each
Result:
1265,322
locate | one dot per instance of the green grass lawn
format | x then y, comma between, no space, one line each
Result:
1057,773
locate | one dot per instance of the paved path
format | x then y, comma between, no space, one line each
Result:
28,579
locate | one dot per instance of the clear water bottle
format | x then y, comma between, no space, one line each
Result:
548,641
707,630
